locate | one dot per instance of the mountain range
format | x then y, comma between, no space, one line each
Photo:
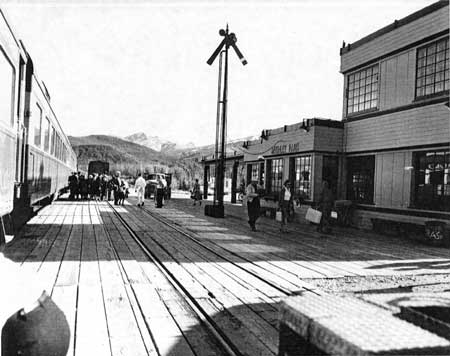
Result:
142,153
156,143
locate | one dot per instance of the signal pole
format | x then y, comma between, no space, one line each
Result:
217,209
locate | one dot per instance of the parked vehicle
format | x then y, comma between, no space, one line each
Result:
151,180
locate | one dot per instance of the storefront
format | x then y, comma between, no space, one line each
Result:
305,153
233,179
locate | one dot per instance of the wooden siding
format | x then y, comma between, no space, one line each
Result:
392,179
264,148
328,139
397,81
428,25
319,138
420,126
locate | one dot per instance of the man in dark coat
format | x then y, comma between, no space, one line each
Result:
253,204
325,205
285,204
117,184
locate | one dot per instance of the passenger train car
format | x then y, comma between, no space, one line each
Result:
36,157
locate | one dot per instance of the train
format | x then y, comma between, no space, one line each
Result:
36,157
98,167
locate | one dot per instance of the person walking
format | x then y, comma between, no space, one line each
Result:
325,205
73,182
84,188
103,186
253,204
117,184
196,193
159,192
285,202
139,186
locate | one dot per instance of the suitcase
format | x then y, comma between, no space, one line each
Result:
313,215
279,216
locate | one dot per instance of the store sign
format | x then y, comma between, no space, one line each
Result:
280,149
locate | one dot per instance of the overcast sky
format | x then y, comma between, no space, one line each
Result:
127,67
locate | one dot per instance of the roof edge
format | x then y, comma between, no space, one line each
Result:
396,24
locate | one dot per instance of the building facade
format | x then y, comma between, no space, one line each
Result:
397,120
390,154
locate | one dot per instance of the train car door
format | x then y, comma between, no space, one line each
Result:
21,134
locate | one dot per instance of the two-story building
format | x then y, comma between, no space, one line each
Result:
397,119
390,154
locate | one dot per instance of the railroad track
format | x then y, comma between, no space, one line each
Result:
175,227
228,346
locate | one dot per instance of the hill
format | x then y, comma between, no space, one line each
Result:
130,158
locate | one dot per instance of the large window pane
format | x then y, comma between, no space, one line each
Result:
276,175
302,177
431,61
6,90
360,178
363,98
432,180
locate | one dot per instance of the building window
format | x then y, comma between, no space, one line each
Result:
276,175
362,92
255,172
360,179
432,180
432,69
302,176
37,126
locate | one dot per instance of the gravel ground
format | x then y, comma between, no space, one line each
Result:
384,284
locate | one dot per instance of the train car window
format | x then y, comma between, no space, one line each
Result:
7,78
52,151
47,134
37,121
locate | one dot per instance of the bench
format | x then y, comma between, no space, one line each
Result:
326,324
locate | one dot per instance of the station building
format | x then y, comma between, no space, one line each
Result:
390,153
397,120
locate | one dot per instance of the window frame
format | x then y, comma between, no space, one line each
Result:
297,172
430,198
365,184
428,66
11,121
276,168
368,97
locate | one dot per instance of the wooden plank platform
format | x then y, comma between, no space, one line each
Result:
118,302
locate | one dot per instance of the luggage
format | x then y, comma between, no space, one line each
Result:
313,215
279,216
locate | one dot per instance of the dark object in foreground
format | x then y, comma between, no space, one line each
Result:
42,331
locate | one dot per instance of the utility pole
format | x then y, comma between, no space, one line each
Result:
217,210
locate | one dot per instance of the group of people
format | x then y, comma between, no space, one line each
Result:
140,185
286,205
96,187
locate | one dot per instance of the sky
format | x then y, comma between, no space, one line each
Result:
118,68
